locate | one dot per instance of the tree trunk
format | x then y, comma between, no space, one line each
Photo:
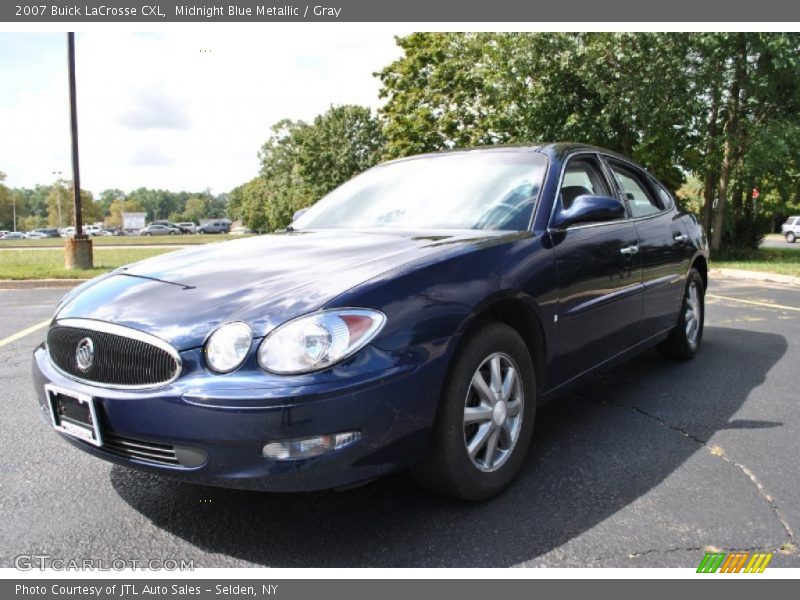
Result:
730,131
711,162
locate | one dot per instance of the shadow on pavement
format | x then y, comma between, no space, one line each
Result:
587,463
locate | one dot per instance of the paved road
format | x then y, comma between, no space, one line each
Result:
779,243
646,466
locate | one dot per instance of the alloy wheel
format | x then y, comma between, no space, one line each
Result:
493,412
693,314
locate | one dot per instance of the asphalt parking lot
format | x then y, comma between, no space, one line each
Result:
648,466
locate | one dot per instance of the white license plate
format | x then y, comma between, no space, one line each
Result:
73,413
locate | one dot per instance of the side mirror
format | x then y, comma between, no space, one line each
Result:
590,209
299,213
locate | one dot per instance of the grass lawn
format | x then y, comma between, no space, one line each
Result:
128,240
49,264
785,261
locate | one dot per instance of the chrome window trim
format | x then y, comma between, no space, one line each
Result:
122,331
565,163
604,158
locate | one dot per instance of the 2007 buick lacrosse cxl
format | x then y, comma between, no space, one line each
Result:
414,317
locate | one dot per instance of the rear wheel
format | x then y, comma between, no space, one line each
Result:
791,237
485,421
684,341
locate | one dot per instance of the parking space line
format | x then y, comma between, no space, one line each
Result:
21,334
754,302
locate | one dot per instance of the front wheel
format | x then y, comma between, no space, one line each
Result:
485,420
791,237
684,341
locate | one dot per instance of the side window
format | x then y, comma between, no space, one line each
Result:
640,200
665,198
582,176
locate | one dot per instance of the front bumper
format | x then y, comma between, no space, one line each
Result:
393,409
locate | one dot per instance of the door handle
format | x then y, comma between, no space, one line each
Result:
679,237
629,250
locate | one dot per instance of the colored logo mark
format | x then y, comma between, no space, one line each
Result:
734,562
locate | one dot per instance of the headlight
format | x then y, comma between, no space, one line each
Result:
318,340
228,347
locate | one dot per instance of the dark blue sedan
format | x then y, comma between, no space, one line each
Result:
414,317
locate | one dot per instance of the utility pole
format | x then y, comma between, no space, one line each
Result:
78,250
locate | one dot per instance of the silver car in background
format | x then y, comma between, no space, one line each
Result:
791,229
158,229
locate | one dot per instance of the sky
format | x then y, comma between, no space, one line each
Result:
178,111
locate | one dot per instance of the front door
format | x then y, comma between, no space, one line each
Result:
599,279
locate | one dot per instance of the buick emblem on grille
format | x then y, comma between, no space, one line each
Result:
84,354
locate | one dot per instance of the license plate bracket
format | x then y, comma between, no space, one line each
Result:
74,414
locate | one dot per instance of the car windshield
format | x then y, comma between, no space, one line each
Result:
466,190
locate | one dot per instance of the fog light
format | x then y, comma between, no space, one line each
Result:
308,447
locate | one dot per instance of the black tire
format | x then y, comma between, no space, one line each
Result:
680,345
172,233
791,237
448,468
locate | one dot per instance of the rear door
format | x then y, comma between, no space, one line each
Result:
663,245
599,278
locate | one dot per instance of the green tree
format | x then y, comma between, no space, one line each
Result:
627,92
6,205
722,106
196,209
61,207
107,197
301,162
117,207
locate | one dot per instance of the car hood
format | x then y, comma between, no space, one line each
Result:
265,280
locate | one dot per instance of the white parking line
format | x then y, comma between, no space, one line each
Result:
21,334
754,302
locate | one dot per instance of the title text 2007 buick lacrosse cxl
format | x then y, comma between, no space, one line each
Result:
414,317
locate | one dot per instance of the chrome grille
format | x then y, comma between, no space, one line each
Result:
162,454
122,357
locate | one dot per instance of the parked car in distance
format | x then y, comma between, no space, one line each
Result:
3,232
215,227
241,231
13,235
35,235
165,222
187,227
416,316
93,230
159,229
48,232
791,229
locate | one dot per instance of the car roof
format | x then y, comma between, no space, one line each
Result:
551,149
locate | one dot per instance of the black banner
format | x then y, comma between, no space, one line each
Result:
495,11
396,589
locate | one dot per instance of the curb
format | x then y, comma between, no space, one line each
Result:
756,276
33,284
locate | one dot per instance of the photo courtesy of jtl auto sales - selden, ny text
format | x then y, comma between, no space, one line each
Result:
414,300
